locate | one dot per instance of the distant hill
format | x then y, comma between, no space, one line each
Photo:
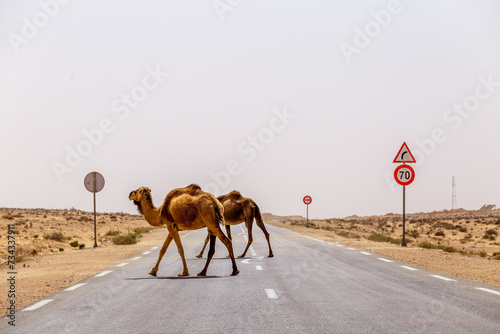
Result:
269,217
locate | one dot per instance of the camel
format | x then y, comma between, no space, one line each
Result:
187,208
238,209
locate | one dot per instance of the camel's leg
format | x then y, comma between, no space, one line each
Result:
211,251
177,239
260,224
229,245
167,242
228,231
204,246
248,224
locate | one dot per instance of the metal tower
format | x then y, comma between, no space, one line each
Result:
453,193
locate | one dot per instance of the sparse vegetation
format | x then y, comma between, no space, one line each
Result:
56,236
128,239
74,243
112,233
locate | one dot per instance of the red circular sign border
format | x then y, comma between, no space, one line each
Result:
412,175
304,200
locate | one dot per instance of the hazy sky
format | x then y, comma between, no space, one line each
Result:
277,99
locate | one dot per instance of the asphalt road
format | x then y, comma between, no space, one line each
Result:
309,286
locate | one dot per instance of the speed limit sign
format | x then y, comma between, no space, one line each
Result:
404,175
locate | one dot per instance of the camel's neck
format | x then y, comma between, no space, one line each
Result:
150,212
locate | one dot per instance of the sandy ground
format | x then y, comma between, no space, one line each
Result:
46,266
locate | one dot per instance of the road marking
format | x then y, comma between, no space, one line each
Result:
136,258
489,290
351,248
146,253
76,286
38,305
385,260
339,245
258,268
155,247
122,264
104,273
271,294
366,253
247,261
409,268
444,278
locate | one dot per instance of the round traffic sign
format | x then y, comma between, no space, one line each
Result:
404,175
307,200
94,182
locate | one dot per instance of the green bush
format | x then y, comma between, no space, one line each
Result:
81,246
128,239
61,249
74,243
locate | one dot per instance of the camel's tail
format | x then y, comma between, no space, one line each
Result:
219,213
258,217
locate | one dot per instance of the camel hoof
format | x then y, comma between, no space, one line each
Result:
152,273
184,274
202,273
271,255
242,255
236,272
199,256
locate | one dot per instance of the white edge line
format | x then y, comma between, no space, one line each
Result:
489,290
74,287
385,260
136,258
339,245
366,253
155,247
271,294
444,278
122,264
409,268
351,248
104,273
38,305
146,253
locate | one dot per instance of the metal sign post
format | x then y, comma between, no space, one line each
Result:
404,175
307,200
94,182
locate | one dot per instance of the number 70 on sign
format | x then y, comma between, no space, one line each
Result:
404,175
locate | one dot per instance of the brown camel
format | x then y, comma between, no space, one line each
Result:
187,208
238,209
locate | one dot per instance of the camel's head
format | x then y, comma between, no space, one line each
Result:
138,195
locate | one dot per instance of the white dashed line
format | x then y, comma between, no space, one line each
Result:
136,258
339,245
258,268
444,278
385,260
76,286
366,253
146,253
155,247
122,264
104,273
38,305
351,248
489,290
409,268
271,294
